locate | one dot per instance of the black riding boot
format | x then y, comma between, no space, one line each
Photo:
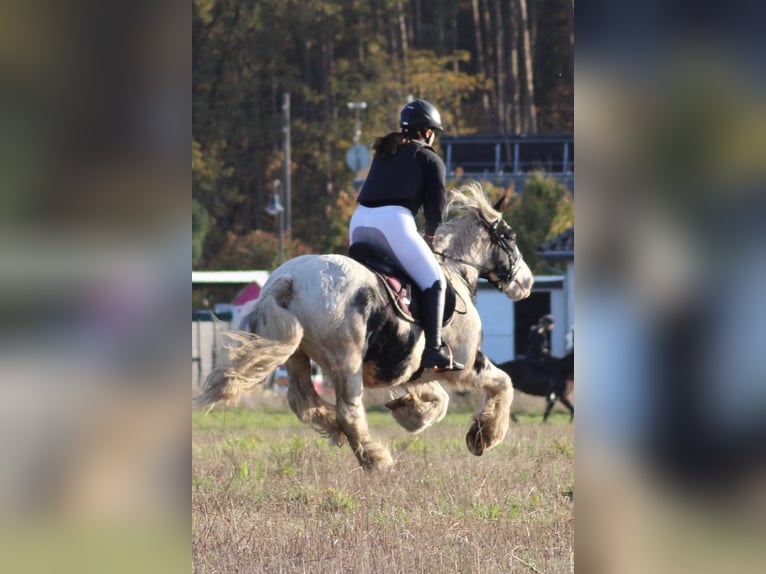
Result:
432,312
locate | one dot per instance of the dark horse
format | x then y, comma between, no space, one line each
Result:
528,381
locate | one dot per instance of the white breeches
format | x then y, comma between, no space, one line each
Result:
392,229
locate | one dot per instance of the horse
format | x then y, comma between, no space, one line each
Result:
336,311
528,381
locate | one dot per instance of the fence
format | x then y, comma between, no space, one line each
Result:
207,342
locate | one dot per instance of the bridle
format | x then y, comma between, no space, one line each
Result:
498,279
514,255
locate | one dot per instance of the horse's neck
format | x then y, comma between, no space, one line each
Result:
465,286
458,260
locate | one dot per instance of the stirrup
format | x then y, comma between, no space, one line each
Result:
439,362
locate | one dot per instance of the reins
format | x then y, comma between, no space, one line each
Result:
464,262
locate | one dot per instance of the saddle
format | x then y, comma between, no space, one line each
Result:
402,290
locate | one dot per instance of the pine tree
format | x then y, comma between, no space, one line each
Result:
542,211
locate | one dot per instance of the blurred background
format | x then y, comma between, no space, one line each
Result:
94,252
670,272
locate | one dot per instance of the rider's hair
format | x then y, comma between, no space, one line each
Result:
388,145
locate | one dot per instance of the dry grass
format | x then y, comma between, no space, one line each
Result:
270,495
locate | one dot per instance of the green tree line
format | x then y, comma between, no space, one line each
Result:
491,66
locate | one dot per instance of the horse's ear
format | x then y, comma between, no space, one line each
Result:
502,203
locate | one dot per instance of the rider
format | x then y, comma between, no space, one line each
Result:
538,356
407,174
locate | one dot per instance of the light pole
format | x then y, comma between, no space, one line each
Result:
357,106
276,208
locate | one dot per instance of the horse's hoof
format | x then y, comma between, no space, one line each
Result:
381,463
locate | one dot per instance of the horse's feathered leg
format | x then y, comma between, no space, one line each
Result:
490,424
276,334
353,420
306,403
423,405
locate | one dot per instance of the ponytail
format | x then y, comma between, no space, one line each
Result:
387,145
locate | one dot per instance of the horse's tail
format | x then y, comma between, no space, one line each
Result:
274,335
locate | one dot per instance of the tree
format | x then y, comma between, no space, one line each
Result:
200,226
255,250
542,211
529,83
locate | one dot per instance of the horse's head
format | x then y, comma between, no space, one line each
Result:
490,247
504,266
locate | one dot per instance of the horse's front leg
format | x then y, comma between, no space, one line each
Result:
490,423
352,418
423,405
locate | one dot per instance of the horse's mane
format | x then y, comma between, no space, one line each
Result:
468,199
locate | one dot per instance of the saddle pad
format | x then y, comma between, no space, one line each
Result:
408,310
399,296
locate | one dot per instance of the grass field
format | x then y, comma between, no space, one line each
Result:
271,495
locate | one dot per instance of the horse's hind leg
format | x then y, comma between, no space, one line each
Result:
569,406
353,420
307,405
564,398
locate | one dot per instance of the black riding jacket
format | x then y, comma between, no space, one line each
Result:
538,351
413,177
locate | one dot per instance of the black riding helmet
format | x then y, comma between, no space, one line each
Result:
546,320
419,115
